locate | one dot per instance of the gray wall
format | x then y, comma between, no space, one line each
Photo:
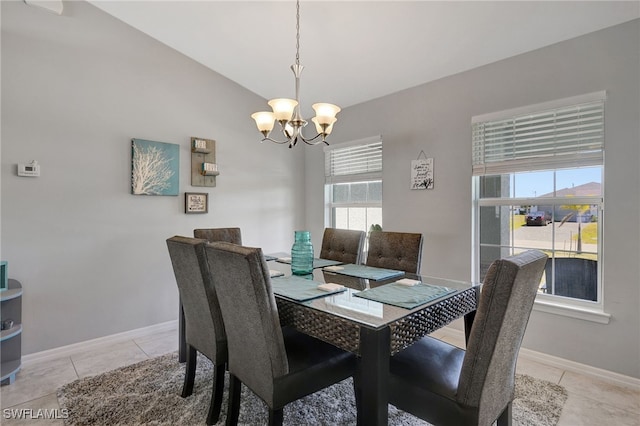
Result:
92,257
436,118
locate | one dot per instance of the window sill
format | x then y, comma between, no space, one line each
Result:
572,311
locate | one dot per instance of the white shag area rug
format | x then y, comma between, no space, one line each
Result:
148,393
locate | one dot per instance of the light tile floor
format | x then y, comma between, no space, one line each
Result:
590,402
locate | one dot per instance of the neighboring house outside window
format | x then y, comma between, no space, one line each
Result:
353,184
537,184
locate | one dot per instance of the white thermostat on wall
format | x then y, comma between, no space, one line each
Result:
31,170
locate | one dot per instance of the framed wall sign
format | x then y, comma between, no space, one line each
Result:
422,173
196,202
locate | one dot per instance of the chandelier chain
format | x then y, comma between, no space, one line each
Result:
298,32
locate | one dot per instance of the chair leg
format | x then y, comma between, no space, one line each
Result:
358,396
233,411
275,417
216,394
190,371
506,416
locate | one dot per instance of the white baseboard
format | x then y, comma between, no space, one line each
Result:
74,348
584,369
563,364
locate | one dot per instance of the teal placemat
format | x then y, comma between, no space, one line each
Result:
363,271
279,256
404,296
323,263
317,263
273,273
298,288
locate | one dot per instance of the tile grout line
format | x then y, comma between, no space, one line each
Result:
141,349
561,377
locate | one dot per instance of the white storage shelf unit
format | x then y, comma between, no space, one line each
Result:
11,338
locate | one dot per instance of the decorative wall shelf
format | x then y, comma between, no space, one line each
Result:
203,162
11,338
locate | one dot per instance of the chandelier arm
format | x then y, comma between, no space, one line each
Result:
315,143
309,140
275,141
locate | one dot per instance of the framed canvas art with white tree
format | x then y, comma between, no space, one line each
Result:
154,167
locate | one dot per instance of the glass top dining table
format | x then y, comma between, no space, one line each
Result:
371,329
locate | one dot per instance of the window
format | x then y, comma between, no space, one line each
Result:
538,185
353,182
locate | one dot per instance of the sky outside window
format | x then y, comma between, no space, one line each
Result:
535,184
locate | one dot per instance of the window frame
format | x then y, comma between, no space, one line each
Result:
332,180
573,307
332,205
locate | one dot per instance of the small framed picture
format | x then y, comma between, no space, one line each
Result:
196,202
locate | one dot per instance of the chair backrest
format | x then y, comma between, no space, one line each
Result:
343,245
204,328
395,250
230,235
257,353
575,277
488,371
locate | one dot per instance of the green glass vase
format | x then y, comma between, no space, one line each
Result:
302,254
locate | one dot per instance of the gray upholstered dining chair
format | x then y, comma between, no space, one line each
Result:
445,385
574,277
395,250
279,365
343,245
204,329
230,235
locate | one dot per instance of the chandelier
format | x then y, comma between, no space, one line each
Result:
287,111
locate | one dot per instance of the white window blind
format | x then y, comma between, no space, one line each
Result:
565,136
355,161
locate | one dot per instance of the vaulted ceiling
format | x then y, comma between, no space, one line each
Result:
354,51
